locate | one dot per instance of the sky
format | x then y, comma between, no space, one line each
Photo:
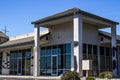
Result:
17,15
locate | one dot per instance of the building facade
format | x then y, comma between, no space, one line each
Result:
71,36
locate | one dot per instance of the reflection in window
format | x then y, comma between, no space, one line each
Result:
91,54
63,53
20,62
105,59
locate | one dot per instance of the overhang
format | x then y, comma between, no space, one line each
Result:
71,12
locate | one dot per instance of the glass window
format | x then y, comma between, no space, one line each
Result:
107,51
101,50
68,48
48,72
42,63
68,62
95,62
60,49
42,72
20,62
94,49
48,50
48,62
63,53
102,62
89,49
90,52
90,56
42,51
60,61
84,49
54,50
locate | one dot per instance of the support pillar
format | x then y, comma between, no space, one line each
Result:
72,56
77,38
98,53
114,50
36,51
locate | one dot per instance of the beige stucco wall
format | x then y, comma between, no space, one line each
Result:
61,33
90,34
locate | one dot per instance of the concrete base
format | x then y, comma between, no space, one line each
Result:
31,77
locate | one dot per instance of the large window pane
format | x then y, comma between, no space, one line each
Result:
54,51
89,49
42,63
48,50
48,62
94,49
68,61
20,62
68,48
63,53
42,51
102,50
84,49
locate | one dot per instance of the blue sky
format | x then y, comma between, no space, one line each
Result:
18,14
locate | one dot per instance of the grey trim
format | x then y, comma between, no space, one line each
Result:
16,45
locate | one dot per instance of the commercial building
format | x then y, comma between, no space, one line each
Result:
71,36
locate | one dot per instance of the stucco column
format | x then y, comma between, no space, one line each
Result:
77,38
36,51
114,50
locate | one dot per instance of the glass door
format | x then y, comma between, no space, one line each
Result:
54,64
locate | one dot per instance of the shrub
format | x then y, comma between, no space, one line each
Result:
70,75
106,74
90,78
102,75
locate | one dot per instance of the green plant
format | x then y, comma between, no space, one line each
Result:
90,78
106,74
70,75
102,75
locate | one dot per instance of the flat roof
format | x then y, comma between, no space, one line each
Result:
22,41
70,12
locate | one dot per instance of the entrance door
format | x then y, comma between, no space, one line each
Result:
54,64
